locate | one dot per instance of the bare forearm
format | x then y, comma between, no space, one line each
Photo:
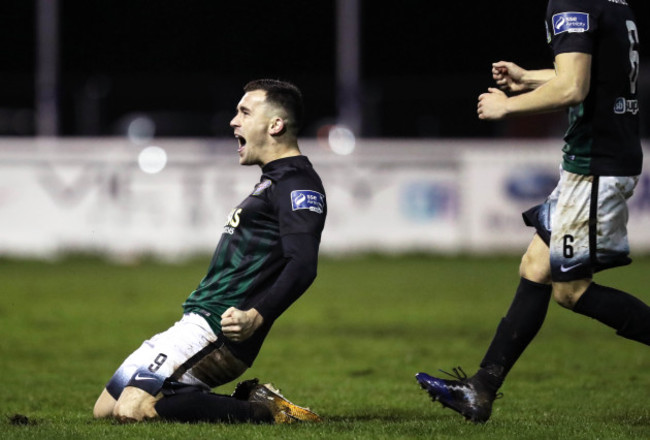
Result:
533,79
553,95
543,90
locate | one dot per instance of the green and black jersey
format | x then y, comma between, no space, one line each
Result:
603,134
268,251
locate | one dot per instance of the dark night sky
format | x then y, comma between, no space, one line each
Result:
423,62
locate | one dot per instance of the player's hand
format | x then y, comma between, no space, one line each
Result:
492,105
239,325
508,76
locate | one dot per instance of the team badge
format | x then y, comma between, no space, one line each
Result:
260,187
571,22
306,199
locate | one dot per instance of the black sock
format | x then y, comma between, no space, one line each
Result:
515,331
629,316
209,407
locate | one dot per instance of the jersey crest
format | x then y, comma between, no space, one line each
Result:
260,187
307,199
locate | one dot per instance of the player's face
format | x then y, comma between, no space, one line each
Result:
251,126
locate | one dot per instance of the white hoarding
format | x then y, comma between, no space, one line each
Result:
387,196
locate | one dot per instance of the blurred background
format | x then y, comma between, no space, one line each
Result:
390,92
409,69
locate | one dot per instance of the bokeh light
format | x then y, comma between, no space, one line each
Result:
152,159
141,130
341,140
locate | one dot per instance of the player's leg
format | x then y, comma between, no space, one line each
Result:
104,405
523,319
604,244
167,357
472,397
626,314
135,405
529,306
170,377
139,379
250,402
196,406
193,404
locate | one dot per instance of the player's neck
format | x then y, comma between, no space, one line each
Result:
282,151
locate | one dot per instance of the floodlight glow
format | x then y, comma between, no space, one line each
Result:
341,140
152,159
141,130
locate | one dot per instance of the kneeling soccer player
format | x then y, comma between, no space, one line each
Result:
266,258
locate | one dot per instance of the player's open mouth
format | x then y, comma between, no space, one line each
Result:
241,141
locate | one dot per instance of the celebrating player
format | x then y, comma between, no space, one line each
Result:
581,227
266,258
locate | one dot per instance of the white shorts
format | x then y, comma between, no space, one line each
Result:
189,353
584,222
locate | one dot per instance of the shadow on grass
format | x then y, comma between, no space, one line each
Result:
638,418
394,416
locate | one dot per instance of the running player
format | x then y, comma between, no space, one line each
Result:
266,258
581,227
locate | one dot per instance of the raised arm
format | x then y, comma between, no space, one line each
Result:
569,86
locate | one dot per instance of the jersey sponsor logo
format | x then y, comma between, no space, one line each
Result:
307,199
622,106
260,187
232,222
570,22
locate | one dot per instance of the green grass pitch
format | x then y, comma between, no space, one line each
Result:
349,349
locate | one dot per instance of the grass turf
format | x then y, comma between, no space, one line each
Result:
349,349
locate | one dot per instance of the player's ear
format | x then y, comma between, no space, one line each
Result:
277,126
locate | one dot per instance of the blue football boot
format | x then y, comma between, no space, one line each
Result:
464,395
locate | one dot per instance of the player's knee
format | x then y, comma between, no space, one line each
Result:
567,294
135,405
563,298
104,406
534,270
102,412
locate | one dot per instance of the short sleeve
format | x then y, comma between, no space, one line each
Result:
301,205
571,25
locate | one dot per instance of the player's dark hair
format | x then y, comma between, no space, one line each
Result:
283,94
